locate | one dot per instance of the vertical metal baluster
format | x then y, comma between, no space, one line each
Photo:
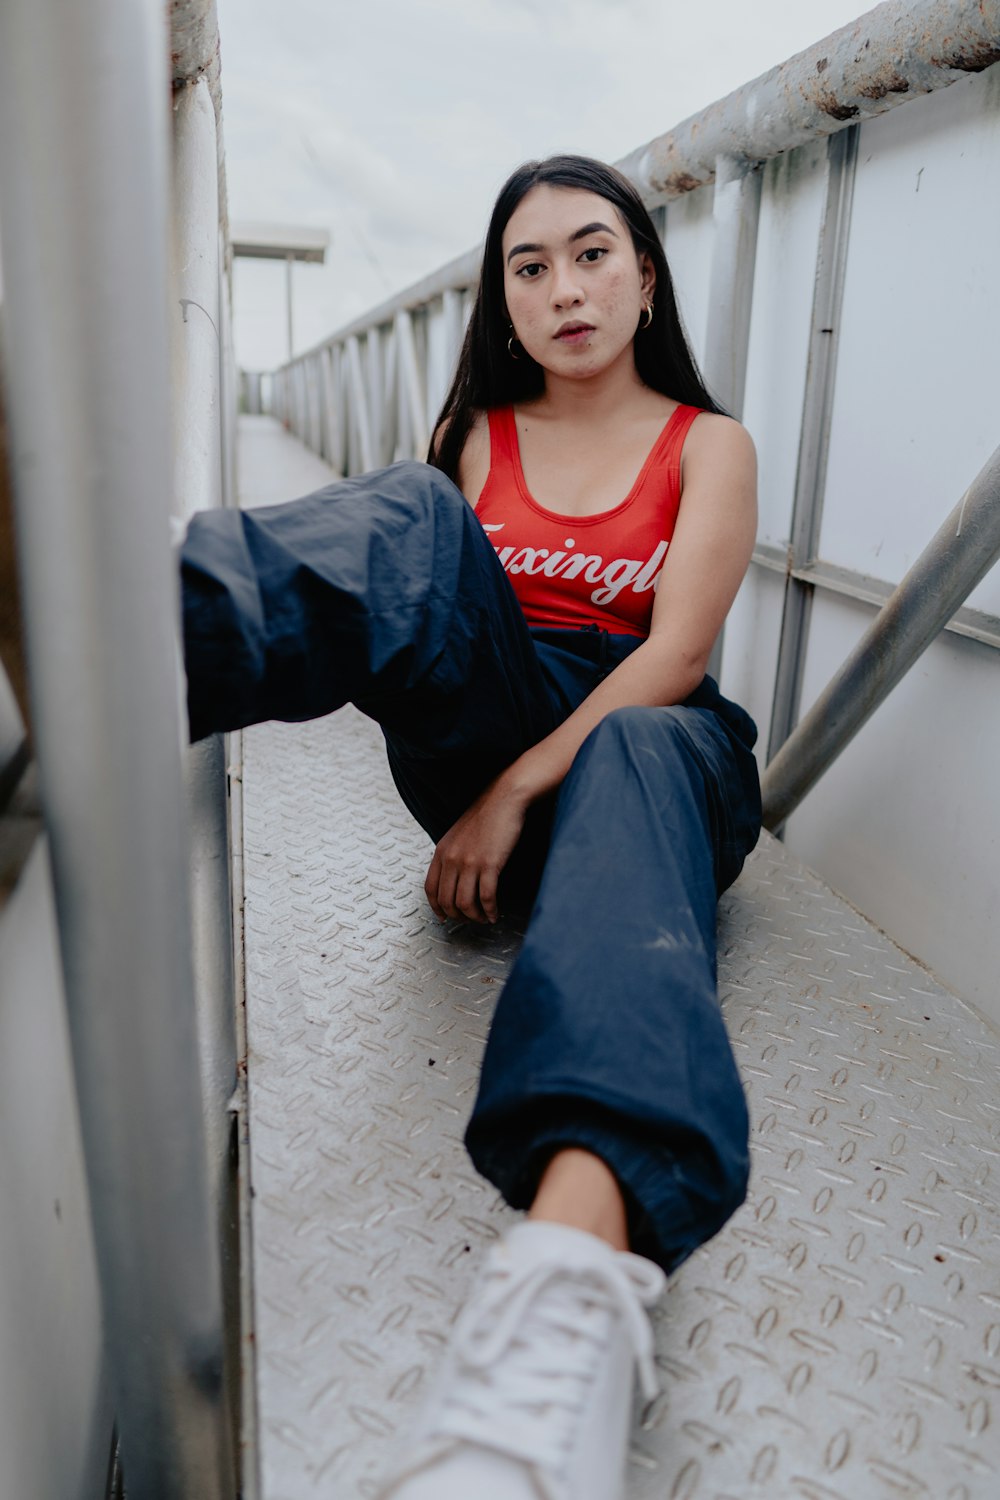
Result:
736,212
814,438
411,387
391,388
359,404
338,407
301,400
323,400
228,384
454,332
315,430
376,401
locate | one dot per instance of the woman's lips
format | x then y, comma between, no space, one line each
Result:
574,333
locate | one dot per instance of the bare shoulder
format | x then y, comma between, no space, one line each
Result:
719,476
718,442
474,464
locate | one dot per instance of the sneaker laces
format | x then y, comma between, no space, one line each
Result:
529,1346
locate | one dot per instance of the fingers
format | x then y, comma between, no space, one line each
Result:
431,884
461,891
467,895
488,894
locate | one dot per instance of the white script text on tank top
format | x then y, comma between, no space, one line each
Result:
574,562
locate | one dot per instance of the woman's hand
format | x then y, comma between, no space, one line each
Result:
463,875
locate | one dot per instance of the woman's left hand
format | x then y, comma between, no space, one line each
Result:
463,875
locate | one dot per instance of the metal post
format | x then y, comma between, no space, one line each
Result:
337,410
289,262
390,388
454,332
84,216
736,212
376,404
228,377
411,386
949,568
814,440
359,402
198,412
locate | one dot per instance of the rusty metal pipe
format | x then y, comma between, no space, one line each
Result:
946,572
195,57
882,59
194,45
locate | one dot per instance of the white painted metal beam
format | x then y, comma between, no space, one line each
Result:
85,228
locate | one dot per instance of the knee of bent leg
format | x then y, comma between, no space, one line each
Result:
439,492
638,730
411,493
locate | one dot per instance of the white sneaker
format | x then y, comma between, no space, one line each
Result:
533,1401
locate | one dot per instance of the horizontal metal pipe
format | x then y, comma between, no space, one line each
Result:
949,568
893,53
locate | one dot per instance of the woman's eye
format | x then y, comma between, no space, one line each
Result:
530,271
594,253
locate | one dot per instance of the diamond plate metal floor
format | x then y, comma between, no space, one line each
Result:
840,1340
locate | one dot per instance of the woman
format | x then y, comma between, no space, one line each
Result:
535,654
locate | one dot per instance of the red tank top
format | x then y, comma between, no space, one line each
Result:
584,570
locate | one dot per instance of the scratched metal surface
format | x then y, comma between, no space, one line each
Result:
840,1340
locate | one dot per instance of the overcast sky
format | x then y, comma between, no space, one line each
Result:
392,125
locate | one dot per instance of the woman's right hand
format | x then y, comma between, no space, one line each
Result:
464,873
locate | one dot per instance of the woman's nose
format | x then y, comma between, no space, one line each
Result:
566,288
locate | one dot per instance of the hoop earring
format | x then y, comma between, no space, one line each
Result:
649,316
511,342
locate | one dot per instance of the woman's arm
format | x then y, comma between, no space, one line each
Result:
705,564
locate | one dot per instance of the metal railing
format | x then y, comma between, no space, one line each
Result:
959,556
368,394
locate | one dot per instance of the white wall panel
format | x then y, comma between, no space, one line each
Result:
790,213
55,1412
907,823
688,243
917,405
750,648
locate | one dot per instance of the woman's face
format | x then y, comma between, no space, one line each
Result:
574,284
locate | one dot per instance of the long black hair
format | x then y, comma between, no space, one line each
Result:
488,377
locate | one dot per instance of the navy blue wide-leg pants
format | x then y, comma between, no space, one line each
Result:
385,591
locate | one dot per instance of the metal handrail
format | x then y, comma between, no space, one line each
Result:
896,52
960,555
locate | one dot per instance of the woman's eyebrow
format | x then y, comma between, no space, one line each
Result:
578,234
581,234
